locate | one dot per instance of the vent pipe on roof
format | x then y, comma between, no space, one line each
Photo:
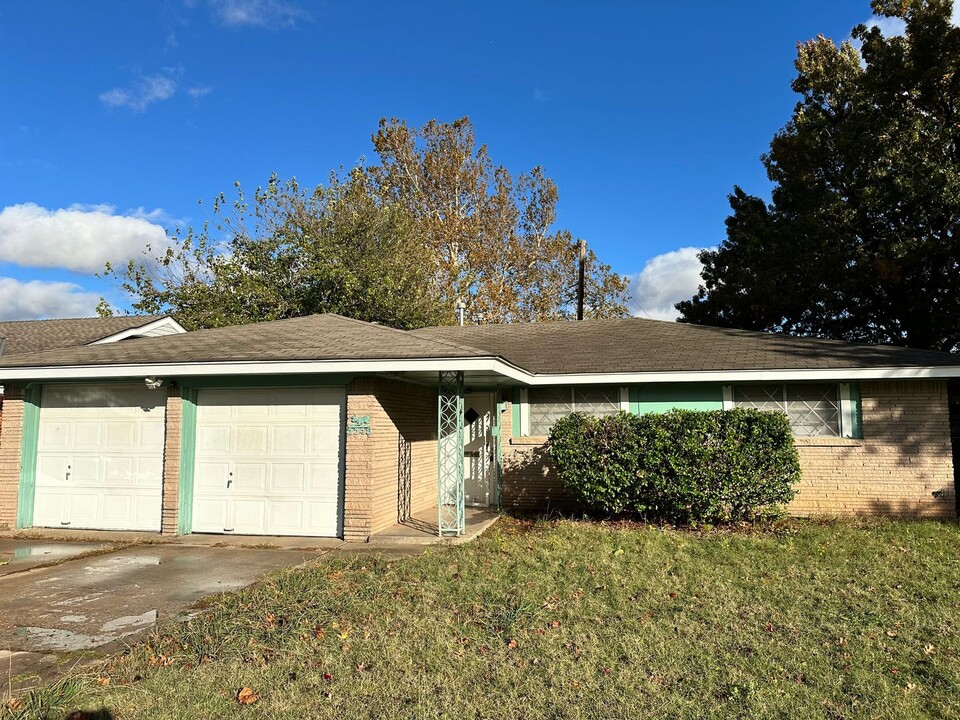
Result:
461,312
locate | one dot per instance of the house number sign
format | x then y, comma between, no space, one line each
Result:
359,425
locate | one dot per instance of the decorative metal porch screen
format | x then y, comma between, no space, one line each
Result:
549,404
813,410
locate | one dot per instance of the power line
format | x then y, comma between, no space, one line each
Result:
639,306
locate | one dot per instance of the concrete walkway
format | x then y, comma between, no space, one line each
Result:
421,529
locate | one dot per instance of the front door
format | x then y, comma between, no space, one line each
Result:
478,450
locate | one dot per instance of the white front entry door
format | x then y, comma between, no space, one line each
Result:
478,449
268,461
100,457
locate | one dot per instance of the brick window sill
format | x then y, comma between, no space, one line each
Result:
531,440
826,442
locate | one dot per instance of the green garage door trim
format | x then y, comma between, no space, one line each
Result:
664,397
28,455
188,448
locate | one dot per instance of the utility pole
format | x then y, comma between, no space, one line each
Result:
580,281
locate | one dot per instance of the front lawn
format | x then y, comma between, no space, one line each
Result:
576,620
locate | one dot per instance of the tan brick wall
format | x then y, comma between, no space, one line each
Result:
397,460
530,481
11,434
173,424
902,466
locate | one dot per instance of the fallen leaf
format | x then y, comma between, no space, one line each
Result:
891,633
327,676
554,624
512,644
318,633
929,649
103,680
246,696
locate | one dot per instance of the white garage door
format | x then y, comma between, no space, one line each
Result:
100,457
268,461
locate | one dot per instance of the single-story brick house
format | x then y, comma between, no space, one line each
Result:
327,426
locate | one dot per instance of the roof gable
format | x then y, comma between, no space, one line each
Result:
31,336
314,337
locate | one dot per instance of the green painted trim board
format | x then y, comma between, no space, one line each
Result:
28,455
663,397
188,445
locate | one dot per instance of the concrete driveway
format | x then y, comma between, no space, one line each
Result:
94,603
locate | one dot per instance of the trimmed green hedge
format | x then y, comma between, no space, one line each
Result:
683,466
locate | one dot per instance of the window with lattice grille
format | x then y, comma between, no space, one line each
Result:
814,409
546,405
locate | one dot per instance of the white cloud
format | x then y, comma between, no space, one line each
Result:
271,14
895,26
664,281
36,299
889,26
80,238
142,94
199,92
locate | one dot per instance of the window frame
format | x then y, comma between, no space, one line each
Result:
848,410
623,395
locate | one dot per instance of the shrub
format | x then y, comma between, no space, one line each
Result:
682,466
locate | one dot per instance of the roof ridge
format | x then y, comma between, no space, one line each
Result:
456,346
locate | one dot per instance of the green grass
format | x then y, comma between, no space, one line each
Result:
578,620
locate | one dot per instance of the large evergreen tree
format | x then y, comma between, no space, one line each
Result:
862,238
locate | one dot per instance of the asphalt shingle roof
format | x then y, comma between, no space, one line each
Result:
640,345
30,336
593,346
315,337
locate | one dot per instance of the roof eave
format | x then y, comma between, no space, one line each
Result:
490,364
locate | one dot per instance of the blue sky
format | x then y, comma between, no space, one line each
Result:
117,117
